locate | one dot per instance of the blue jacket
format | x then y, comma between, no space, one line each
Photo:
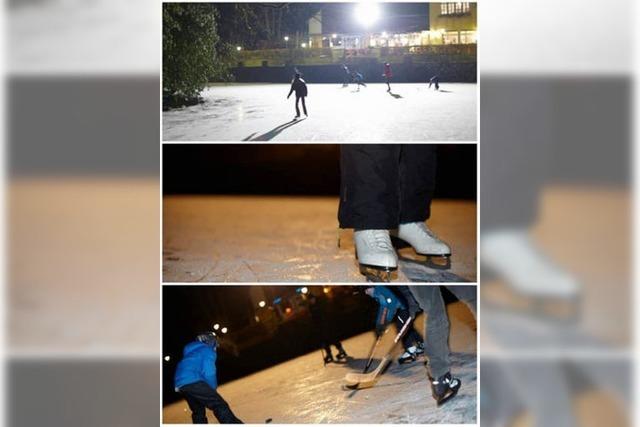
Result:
198,364
388,304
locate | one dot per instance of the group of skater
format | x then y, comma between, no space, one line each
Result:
299,86
196,378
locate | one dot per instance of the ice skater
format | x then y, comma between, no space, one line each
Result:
444,385
346,78
386,191
319,310
358,79
435,80
299,86
196,380
393,306
387,74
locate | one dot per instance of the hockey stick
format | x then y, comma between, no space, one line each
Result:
364,380
373,349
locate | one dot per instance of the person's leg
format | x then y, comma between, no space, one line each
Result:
417,175
436,344
196,405
297,108
221,409
369,198
212,400
304,106
466,294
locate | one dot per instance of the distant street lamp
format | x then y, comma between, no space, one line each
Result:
238,48
286,41
367,13
303,45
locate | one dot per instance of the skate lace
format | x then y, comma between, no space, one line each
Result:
426,230
380,238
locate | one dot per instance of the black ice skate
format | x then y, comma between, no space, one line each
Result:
444,388
408,356
342,355
328,358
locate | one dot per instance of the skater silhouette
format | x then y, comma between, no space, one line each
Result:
358,79
300,87
435,80
387,75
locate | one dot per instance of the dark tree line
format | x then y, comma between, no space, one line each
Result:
200,39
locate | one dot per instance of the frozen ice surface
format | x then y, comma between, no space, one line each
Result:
303,391
293,239
261,112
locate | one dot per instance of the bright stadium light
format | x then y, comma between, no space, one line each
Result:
216,326
167,358
304,290
303,45
367,13
262,304
286,38
224,330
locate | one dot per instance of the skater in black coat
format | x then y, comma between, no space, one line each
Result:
299,86
435,80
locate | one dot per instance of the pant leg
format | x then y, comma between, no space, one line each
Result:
417,175
466,294
210,398
297,108
198,413
304,106
369,191
436,343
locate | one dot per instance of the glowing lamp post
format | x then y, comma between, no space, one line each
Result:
367,13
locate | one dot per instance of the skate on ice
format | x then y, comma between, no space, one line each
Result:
444,388
409,355
375,254
424,242
549,291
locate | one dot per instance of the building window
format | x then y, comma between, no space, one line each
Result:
458,8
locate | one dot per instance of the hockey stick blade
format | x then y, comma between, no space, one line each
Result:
357,380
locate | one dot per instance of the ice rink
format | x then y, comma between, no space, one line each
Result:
261,112
303,391
293,239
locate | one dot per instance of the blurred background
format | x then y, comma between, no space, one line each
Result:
82,211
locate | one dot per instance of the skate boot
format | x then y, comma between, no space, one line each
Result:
342,355
328,357
375,254
419,348
424,242
444,388
512,255
409,355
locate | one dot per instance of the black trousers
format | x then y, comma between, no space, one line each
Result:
383,185
199,396
304,106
